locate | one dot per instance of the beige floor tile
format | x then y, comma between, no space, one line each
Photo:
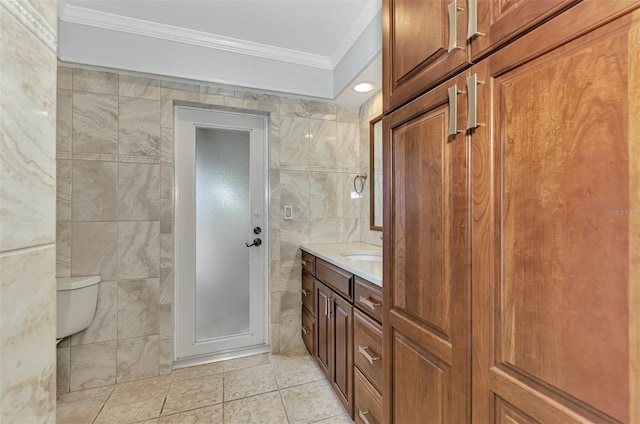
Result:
310,402
194,393
295,370
340,419
249,382
246,362
79,411
84,394
132,406
152,421
262,409
197,371
154,383
210,414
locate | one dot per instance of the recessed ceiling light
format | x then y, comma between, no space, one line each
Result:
363,87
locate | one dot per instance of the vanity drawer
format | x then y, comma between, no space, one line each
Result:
368,402
307,292
336,278
367,346
307,330
308,262
368,297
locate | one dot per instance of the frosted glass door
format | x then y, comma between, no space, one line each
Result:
223,201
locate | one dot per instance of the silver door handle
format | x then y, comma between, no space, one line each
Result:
370,304
472,102
364,352
363,416
256,242
472,27
453,110
453,25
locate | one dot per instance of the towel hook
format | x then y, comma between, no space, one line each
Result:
362,178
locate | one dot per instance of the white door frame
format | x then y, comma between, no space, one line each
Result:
186,119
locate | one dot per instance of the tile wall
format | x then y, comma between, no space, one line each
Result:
115,209
27,214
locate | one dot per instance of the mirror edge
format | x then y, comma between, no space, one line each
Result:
372,123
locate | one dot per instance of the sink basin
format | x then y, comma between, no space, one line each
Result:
363,256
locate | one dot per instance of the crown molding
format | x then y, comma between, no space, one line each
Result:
109,21
368,14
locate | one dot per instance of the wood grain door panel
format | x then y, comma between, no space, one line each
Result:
502,20
553,321
342,332
324,346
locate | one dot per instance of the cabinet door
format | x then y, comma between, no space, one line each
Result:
342,326
324,346
426,273
424,42
556,225
500,21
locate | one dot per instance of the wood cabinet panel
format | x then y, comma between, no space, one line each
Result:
416,40
367,347
553,260
368,297
308,262
368,402
334,277
308,331
324,345
342,321
308,292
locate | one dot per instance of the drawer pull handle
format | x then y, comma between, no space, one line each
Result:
369,303
304,263
363,351
305,330
363,416
305,292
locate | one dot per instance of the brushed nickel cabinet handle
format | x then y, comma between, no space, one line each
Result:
365,352
369,303
326,307
472,101
453,25
304,263
472,13
453,110
330,308
305,292
305,330
363,416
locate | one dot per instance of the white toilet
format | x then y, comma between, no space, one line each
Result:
76,299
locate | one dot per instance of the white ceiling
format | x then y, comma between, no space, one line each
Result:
306,47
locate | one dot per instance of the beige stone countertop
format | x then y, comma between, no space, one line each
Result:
370,270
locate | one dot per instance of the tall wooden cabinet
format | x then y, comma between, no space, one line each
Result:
512,241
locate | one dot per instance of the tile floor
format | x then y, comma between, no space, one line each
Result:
256,389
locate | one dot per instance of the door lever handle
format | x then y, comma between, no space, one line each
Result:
256,242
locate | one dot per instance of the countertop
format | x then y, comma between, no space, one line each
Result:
332,253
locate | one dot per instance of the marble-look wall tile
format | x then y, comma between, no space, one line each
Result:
138,192
65,77
166,145
64,113
274,245
139,87
165,357
27,331
323,201
138,249
323,144
63,368
294,191
166,180
294,141
290,278
292,234
349,203
294,107
103,326
138,307
322,110
348,230
138,358
94,248
93,365
166,285
63,249
274,276
63,190
166,250
347,145
324,230
139,127
94,191
348,114
290,337
166,216
274,313
95,123
95,81
274,338
165,321
290,299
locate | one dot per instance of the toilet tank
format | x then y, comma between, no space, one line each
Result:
76,300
